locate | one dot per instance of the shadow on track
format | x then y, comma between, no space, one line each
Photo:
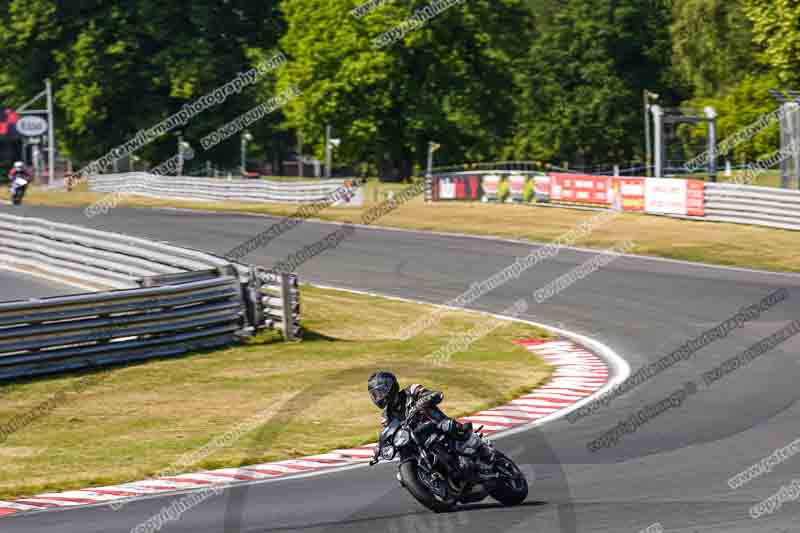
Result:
535,451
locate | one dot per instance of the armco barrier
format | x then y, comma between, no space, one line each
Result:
694,199
94,258
245,190
167,300
747,204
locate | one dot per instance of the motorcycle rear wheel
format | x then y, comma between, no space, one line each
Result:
410,474
513,490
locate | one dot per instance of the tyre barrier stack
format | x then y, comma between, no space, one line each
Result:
244,190
149,299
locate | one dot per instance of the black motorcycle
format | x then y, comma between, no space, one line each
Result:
18,187
441,473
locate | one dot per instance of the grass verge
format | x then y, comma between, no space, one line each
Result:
707,242
310,396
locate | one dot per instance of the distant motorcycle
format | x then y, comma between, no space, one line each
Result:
18,187
441,474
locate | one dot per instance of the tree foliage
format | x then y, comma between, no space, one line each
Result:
712,44
555,80
581,86
776,27
120,67
450,80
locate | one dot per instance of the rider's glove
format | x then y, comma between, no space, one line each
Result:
455,429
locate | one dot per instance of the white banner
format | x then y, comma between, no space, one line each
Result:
666,196
447,189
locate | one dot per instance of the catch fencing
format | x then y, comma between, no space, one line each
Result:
244,190
682,198
154,299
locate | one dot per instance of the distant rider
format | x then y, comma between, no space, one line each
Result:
385,393
19,170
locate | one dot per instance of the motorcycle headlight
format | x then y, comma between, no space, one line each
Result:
402,438
388,453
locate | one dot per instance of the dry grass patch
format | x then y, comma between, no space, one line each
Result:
311,396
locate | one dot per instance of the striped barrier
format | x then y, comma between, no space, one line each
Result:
216,189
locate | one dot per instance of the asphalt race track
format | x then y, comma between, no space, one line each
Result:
14,286
672,471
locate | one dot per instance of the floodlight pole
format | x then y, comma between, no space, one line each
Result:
658,115
51,133
430,159
328,151
711,114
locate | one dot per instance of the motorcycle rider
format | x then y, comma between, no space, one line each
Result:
19,171
19,168
384,391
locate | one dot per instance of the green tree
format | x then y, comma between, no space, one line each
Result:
120,67
739,106
581,86
776,28
712,44
450,80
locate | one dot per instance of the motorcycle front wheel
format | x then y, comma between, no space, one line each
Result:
512,487
416,481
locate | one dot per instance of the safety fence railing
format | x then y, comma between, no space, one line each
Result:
164,300
280,301
93,258
245,190
747,204
684,198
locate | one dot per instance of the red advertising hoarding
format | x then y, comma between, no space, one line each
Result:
580,189
629,194
455,188
696,198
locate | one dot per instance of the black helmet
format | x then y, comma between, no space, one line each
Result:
383,388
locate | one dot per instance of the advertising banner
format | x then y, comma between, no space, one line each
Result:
541,188
674,196
581,189
695,198
447,189
629,194
461,187
490,184
467,187
516,186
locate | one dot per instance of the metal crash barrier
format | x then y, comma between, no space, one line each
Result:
244,190
154,299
